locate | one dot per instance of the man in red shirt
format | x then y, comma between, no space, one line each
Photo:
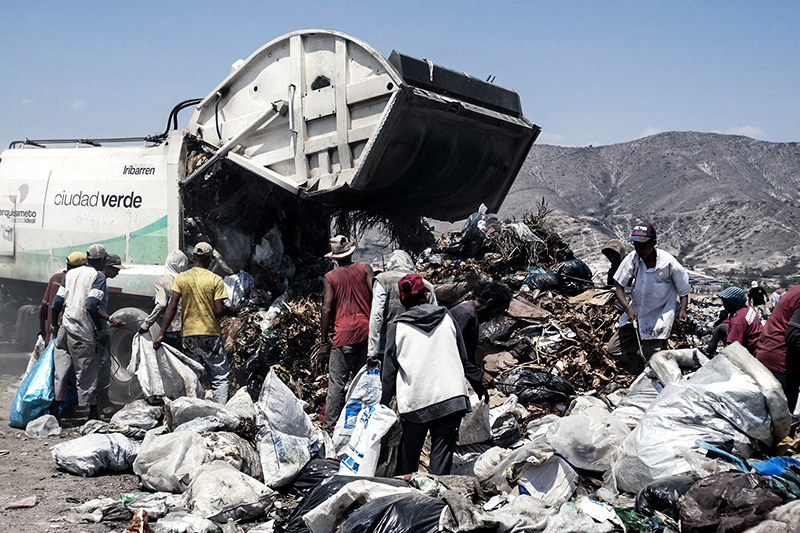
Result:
744,322
346,302
779,345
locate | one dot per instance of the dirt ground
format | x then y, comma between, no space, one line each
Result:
27,469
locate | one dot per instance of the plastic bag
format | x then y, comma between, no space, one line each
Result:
183,522
553,480
475,426
587,438
364,391
238,287
323,493
400,513
313,473
269,252
139,414
576,276
236,451
166,372
730,501
287,439
90,454
242,404
43,427
505,431
165,462
532,386
219,491
663,496
725,403
38,348
182,410
640,395
497,329
35,393
545,281
363,450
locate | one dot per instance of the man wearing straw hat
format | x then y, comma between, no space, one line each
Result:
346,304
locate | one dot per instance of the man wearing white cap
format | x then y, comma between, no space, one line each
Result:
202,295
78,343
346,304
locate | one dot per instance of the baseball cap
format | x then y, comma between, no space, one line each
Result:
643,232
77,259
203,249
411,284
113,260
733,298
96,251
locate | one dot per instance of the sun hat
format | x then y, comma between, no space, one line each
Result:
341,247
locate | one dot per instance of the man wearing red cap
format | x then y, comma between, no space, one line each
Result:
424,365
654,280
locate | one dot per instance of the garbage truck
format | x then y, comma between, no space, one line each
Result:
314,120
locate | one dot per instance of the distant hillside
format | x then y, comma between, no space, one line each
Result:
721,203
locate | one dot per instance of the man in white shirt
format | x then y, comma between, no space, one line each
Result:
653,280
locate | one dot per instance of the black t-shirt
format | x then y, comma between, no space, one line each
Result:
466,317
757,295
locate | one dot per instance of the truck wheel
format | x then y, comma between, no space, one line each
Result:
27,326
121,337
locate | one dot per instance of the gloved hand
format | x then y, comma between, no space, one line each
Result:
481,391
54,331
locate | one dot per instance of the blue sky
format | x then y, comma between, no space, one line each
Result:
596,72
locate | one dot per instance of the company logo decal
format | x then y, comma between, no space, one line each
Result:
95,199
21,216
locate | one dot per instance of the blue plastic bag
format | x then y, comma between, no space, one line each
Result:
35,393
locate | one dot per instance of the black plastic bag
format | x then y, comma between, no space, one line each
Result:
322,492
497,330
663,495
506,431
398,513
727,502
532,386
576,276
315,471
545,281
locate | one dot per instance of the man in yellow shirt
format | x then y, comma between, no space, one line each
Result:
202,295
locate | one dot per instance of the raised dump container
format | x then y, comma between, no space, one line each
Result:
322,114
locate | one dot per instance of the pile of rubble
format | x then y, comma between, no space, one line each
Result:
568,442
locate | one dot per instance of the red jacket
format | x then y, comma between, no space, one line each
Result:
771,348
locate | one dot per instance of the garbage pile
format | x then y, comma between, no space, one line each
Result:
567,442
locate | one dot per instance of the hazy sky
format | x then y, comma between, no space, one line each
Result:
597,72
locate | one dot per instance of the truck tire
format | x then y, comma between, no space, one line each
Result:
124,386
121,337
27,326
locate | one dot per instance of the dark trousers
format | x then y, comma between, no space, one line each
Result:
342,361
444,434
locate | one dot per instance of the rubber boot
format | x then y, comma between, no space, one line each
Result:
93,414
55,409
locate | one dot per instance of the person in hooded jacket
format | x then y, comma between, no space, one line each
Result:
425,365
386,305
175,264
745,321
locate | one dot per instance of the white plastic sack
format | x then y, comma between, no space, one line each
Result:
91,454
497,467
475,426
554,480
218,492
38,348
238,286
287,439
733,400
183,522
139,414
362,452
237,452
43,427
364,391
242,404
165,462
182,410
640,395
526,513
587,438
166,372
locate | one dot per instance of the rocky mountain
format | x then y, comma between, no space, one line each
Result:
724,205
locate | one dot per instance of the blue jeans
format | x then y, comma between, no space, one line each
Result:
208,351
